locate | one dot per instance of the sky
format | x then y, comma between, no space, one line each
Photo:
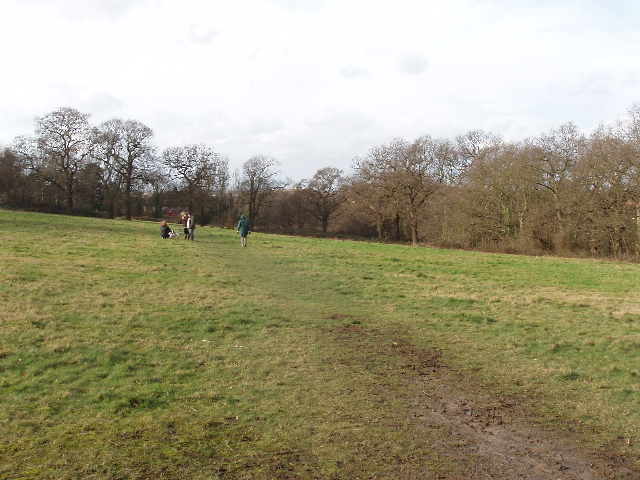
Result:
317,83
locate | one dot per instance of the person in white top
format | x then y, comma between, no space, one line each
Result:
191,226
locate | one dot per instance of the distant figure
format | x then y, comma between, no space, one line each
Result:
243,230
191,225
185,219
165,231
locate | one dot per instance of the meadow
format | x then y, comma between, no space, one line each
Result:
123,355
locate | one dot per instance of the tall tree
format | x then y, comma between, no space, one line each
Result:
108,148
258,182
376,184
606,186
408,174
417,170
198,169
125,148
631,130
13,182
369,186
631,133
499,188
324,195
554,155
61,148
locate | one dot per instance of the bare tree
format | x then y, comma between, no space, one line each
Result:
14,184
419,169
631,133
108,147
631,130
500,188
125,147
603,208
61,148
198,169
324,195
554,155
286,210
369,187
405,175
158,184
375,184
258,182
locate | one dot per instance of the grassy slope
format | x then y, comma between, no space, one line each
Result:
126,356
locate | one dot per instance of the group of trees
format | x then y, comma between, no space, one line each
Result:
111,169
563,191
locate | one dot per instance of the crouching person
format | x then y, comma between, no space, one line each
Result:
165,231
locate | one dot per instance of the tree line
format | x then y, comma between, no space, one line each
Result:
562,191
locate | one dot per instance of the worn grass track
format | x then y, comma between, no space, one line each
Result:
126,356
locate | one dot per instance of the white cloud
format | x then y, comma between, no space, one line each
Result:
413,64
198,34
353,72
315,83
80,10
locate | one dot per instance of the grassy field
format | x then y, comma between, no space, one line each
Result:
123,355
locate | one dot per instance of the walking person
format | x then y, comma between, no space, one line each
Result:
191,225
243,230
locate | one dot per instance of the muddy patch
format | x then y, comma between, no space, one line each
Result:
483,436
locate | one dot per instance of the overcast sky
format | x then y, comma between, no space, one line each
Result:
315,83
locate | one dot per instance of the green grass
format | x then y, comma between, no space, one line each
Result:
123,355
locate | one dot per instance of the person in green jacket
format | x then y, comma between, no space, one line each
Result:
243,230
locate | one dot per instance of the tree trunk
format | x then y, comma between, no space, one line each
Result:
70,197
414,231
128,200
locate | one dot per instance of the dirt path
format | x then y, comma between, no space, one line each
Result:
486,437
492,438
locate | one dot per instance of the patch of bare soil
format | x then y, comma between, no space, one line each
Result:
483,436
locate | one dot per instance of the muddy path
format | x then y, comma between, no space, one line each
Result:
483,436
